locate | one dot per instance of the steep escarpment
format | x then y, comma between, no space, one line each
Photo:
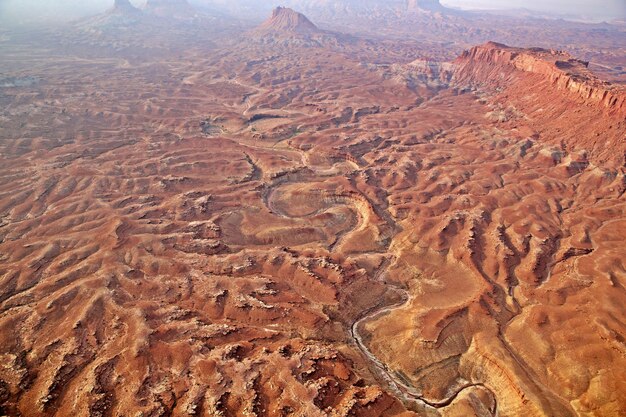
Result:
565,72
563,100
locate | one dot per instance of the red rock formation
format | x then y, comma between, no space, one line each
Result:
261,229
286,20
564,71
563,101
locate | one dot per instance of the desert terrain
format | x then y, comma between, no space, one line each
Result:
205,217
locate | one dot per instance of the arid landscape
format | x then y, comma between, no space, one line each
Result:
205,215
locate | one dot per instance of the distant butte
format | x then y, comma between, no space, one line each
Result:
287,21
123,7
429,5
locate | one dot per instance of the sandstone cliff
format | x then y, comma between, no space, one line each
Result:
562,100
494,62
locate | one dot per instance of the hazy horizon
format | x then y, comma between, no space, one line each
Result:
597,10
24,11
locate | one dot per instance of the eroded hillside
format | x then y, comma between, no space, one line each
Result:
282,228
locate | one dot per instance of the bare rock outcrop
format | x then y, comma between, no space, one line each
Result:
556,93
564,72
287,21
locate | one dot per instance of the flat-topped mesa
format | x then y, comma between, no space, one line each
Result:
123,7
554,94
488,64
287,21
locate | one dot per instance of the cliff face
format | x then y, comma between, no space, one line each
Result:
564,73
555,93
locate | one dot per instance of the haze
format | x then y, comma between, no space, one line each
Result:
597,10
25,11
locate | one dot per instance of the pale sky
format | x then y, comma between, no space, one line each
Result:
19,10
596,9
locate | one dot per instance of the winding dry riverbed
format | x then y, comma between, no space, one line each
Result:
405,392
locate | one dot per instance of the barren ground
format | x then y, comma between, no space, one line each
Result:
282,229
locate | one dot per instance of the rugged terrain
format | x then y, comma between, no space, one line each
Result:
448,32
266,225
